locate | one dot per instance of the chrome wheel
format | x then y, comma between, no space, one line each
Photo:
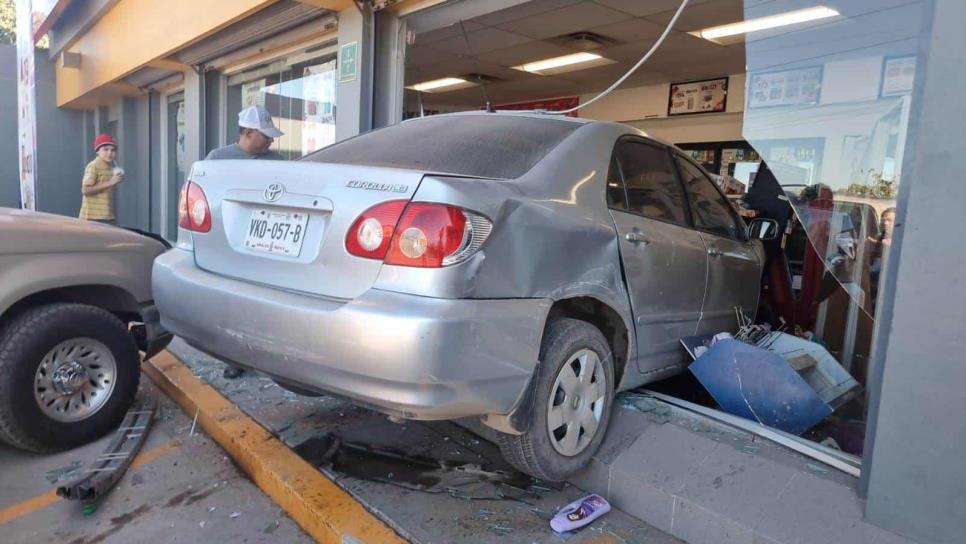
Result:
576,403
75,379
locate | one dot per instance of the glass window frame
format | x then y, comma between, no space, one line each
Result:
738,221
167,153
689,220
324,50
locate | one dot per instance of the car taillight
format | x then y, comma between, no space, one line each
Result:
371,233
193,211
420,234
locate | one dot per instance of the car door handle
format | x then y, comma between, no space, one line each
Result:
636,238
714,252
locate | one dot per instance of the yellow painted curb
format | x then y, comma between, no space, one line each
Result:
323,509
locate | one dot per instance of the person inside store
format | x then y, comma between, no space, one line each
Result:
101,175
256,133
878,251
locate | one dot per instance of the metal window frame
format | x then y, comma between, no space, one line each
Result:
163,141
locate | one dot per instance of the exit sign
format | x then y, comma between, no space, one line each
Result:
348,61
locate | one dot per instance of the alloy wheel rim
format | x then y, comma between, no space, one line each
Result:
576,403
75,379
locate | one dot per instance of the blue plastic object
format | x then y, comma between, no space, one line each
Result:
753,383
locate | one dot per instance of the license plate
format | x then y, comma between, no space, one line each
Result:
275,232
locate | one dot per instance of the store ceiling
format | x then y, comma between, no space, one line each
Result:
491,44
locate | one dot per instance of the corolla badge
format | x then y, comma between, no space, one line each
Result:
273,192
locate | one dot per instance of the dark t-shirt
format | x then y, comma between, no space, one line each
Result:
235,151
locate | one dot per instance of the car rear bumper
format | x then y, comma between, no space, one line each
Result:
409,356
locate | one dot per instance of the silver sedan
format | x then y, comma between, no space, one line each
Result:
518,268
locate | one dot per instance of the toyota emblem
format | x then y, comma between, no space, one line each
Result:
274,191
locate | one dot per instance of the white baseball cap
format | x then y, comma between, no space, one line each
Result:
258,118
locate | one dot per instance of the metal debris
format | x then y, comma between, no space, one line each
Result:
107,468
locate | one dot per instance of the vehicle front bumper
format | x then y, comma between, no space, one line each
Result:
410,356
149,335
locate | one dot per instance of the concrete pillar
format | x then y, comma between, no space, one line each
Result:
214,127
390,69
354,85
913,472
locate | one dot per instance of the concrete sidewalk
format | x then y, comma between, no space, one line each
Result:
708,483
184,489
418,516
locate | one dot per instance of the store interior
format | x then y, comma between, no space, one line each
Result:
804,125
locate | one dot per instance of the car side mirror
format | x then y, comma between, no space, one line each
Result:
763,229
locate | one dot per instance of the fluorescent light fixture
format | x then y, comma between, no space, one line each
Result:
442,85
765,23
566,63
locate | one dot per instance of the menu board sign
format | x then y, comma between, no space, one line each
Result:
785,88
691,97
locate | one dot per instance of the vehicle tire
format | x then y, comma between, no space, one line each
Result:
574,390
68,374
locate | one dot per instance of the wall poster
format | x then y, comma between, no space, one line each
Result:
318,115
898,74
691,97
253,93
785,88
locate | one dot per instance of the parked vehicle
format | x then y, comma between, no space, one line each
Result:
75,308
481,264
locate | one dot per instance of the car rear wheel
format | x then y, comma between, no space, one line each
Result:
68,374
573,398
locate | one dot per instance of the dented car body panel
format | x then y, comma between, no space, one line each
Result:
425,343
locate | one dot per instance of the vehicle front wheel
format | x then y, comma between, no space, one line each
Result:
573,396
68,374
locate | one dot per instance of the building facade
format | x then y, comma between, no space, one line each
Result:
851,103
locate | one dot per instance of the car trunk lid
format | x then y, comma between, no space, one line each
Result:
283,224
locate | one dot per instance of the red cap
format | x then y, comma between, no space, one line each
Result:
102,140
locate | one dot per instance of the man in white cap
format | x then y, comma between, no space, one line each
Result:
256,132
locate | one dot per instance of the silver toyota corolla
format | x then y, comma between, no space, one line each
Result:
518,268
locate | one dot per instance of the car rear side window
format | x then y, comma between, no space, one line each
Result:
489,146
710,209
652,189
616,198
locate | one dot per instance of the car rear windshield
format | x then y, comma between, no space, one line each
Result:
494,146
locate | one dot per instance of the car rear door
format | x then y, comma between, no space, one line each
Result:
665,262
734,270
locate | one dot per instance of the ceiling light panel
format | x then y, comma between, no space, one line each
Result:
721,34
565,63
443,85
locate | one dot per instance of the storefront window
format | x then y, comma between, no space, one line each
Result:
827,108
175,166
300,95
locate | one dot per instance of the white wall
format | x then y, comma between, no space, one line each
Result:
646,108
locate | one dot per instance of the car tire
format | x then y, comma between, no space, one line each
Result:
54,362
553,454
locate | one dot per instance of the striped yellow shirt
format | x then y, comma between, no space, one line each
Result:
100,205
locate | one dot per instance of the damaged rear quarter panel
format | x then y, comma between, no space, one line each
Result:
553,236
